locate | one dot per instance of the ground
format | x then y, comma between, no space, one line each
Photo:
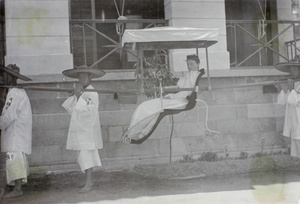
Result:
225,166
245,177
175,170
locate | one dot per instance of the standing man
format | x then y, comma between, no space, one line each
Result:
292,114
84,134
16,133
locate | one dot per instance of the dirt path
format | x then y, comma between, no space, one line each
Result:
157,180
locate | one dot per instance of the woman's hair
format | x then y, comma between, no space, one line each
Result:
193,57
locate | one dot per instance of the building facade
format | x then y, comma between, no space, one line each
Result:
38,40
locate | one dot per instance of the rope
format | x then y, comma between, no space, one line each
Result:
261,33
261,10
261,25
117,8
120,26
123,7
218,135
261,28
171,135
161,94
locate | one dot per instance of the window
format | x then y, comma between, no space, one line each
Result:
88,42
240,44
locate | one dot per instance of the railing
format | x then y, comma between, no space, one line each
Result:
94,41
250,43
291,48
261,43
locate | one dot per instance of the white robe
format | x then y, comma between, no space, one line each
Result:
292,114
292,120
85,130
16,122
147,112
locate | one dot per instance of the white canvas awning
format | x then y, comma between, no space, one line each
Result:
169,38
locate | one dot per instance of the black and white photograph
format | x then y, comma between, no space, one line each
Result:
150,101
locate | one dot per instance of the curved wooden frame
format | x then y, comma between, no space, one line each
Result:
190,105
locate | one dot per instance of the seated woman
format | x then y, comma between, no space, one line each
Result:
147,113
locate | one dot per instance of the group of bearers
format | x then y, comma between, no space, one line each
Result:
84,134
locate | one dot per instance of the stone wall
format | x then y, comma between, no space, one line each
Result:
247,119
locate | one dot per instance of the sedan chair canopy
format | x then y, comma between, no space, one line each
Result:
166,38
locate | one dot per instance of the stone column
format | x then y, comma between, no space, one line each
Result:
284,12
199,14
37,36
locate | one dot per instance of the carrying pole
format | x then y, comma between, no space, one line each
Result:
207,64
161,94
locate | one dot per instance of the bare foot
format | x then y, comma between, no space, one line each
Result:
86,188
13,194
1,194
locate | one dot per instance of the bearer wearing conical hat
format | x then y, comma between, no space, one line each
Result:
84,134
292,116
